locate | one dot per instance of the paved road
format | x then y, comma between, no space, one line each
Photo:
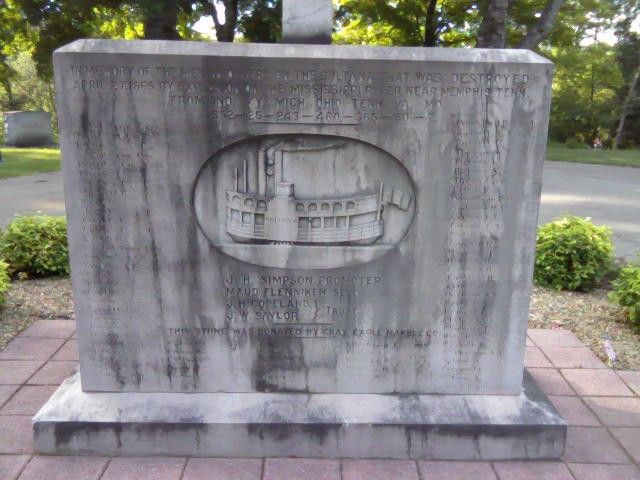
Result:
609,195
41,192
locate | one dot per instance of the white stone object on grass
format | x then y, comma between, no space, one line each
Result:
28,129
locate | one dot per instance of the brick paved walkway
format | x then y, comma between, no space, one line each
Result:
601,406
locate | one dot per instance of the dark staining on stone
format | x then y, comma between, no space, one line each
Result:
197,420
320,431
84,116
116,353
282,431
407,439
488,245
137,375
153,248
198,439
197,352
190,279
117,430
263,385
408,407
102,277
170,428
479,434
277,355
183,359
143,175
155,262
65,432
169,370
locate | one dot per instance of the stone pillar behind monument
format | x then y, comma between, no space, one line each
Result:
307,22
298,250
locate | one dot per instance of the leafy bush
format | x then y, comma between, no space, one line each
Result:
36,245
626,291
572,254
4,280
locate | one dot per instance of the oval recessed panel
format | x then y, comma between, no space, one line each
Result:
303,201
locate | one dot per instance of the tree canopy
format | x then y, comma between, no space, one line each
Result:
596,90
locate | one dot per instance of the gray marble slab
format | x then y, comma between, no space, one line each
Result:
309,219
454,427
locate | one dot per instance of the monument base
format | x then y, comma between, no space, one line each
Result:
452,427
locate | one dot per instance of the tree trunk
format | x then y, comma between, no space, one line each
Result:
626,108
431,25
225,32
543,27
11,101
160,19
493,29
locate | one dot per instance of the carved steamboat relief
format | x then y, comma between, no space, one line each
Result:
304,201
282,218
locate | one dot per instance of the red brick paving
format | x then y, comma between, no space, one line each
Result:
16,372
591,382
616,411
630,440
599,404
533,357
11,465
68,352
50,329
53,373
64,468
379,470
553,338
223,469
632,379
593,445
31,348
132,468
533,470
302,468
572,357
456,470
16,436
575,412
551,381
28,400
6,391
588,471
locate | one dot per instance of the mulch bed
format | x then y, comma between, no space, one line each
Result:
589,315
31,300
592,317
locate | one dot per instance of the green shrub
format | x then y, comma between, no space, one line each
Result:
4,280
626,291
572,254
576,142
36,245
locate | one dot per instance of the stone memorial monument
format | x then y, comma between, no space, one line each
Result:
295,250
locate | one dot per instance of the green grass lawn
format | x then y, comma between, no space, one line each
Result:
27,161
627,158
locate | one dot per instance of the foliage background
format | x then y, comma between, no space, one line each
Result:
593,83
